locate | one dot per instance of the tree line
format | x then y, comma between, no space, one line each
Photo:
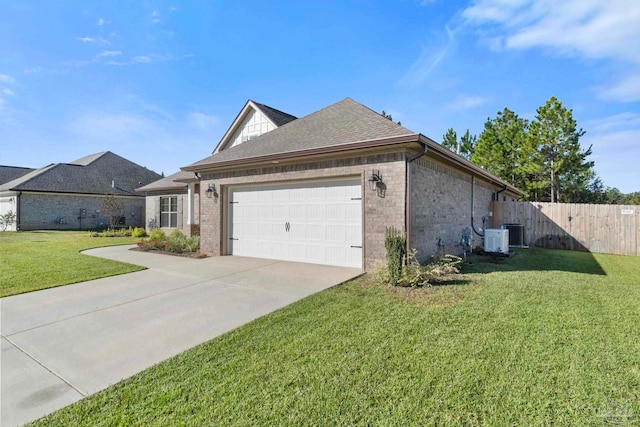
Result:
542,157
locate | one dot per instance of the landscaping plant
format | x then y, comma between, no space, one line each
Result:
395,243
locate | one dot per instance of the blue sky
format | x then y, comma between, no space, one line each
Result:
159,82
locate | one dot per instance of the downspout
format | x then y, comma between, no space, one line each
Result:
504,187
18,210
473,189
407,204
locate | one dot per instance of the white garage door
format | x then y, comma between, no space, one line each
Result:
312,222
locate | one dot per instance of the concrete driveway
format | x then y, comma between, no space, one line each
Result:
62,344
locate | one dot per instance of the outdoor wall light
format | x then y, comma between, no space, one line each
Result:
212,192
375,180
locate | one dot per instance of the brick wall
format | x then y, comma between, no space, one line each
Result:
40,211
441,207
379,212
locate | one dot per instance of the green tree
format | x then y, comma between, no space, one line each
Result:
112,209
463,147
450,140
504,149
562,162
467,144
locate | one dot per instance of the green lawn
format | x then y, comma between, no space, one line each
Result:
547,337
30,261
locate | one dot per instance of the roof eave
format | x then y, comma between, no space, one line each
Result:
290,155
466,164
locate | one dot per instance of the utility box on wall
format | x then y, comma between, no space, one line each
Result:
496,240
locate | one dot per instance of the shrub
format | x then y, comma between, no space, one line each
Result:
139,232
395,243
176,242
416,275
157,234
193,243
113,232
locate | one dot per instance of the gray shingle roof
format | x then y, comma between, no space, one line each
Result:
342,123
168,183
9,173
278,117
90,175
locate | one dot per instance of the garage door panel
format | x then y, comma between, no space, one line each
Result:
316,223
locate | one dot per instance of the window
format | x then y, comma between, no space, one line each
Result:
169,211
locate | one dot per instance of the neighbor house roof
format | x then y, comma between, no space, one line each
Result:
9,173
343,123
176,181
101,173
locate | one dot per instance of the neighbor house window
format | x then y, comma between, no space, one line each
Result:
169,211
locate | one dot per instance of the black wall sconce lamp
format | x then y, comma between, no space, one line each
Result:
376,184
212,192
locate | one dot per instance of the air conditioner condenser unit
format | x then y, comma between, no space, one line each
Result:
496,240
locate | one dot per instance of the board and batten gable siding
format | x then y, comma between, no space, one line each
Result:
379,212
441,207
51,211
253,125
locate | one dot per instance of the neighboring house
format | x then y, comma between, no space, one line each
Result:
8,202
323,189
173,202
72,195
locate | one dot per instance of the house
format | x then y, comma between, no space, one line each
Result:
323,189
173,202
71,195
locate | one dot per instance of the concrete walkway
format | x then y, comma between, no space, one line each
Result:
62,344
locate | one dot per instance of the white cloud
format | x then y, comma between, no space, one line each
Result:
626,90
7,112
141,59
90,40
102,22
462,103
428,61
594,29
202,121
7,79
109,53
590,28
615,149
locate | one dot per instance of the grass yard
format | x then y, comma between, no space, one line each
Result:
30,261
547,337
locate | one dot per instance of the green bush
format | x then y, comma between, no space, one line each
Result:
113,232
139,232
176,242
157,234
415,274
395,243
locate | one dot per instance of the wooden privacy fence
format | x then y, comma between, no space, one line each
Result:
609,229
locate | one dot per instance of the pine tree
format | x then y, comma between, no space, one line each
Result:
561,162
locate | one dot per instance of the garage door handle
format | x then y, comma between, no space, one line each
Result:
231,238
360,247
287,227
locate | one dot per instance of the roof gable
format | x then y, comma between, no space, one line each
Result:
176,181
100,173
342,123
254,119
9,173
